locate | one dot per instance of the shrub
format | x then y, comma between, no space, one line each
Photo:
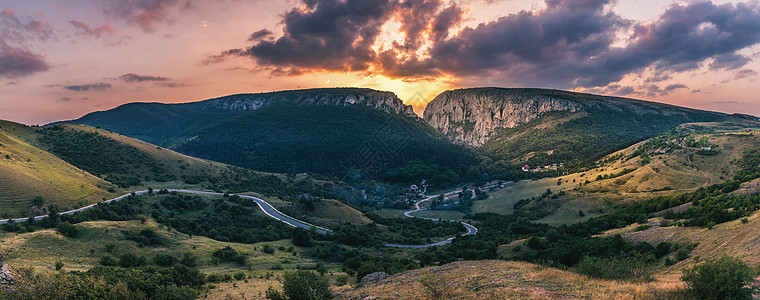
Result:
301,285
189,260
725,278
67,230
38,201
129,260
267,249
227,254
239,276
642,227
341,280
164,260
633,269
58,265
107,260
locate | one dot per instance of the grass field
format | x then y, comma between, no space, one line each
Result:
27,171
666,174
493,279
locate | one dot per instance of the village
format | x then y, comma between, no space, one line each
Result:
526,168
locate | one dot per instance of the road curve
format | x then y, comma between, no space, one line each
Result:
470,229
272,212
267,208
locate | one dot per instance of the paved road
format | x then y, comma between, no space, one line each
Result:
470,229
265,207
276,214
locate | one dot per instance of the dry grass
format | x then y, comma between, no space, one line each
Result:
334,212
666,174
507,280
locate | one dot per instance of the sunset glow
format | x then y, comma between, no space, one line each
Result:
62,59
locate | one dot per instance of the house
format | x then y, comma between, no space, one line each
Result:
414,188
526,168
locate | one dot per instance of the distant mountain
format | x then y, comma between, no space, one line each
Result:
540,126
328,131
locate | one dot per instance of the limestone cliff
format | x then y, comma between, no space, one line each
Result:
383,101
471,116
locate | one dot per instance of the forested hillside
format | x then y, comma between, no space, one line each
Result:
334,132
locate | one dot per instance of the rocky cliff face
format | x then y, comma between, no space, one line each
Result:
471,116
383,101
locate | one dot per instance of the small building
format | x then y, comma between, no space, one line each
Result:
414,188
526,168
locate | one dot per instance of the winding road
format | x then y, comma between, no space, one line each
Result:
470,229
269,210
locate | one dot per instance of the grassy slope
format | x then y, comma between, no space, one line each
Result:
492,279
177,163
732,238
31,171
671,170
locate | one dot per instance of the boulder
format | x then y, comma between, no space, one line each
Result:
373,277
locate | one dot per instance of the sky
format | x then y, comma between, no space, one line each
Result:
62,59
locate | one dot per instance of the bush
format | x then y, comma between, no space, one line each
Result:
227,254
164,260
633,269
67,230
58,265
341,280
725,278
642,227
301,285
130,260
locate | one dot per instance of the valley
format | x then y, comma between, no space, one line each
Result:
244,190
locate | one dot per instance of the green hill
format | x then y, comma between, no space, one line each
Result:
328,131
27,171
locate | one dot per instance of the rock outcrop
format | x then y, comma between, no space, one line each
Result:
6,274
383,101
471,116
373,277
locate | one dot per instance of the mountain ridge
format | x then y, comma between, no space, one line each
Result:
472,116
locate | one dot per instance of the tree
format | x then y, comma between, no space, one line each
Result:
302,238
301,285
67,230
38,201
725,278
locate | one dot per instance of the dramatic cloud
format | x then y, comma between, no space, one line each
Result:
568,44
146,14
132,77
17,62
326,35
100,86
